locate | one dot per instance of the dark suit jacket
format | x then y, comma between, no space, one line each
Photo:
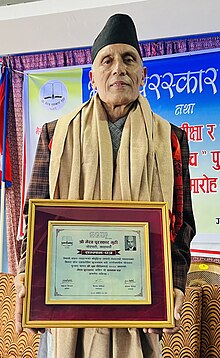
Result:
39,188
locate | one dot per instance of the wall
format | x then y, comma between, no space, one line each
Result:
56,24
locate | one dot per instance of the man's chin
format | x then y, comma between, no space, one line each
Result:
117,100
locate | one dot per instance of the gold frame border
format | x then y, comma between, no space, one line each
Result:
169,323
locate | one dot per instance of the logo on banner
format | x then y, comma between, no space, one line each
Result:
53,95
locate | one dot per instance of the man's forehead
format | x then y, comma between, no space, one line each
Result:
117,49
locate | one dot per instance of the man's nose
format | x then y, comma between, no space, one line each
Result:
119,68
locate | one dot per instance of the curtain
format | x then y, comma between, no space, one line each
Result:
71,57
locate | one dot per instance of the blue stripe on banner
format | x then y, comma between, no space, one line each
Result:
5,155
86,86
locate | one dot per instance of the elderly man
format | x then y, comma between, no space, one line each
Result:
130,244
114,147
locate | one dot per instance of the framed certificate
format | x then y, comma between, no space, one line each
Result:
98,264
112,259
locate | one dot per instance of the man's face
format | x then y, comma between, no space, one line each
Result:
117,74
130,242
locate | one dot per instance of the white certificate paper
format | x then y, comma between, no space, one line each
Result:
98,263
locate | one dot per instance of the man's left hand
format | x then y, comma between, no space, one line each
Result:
178,302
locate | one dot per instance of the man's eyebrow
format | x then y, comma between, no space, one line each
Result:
124,54
129,53
105,56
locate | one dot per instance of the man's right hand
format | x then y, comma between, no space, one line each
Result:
20,293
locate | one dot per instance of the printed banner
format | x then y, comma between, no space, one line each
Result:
48,94
183,89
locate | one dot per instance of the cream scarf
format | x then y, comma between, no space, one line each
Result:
81,165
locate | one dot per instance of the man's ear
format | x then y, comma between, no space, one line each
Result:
144,74
91,77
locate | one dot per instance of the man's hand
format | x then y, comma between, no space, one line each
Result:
20,293
178,302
